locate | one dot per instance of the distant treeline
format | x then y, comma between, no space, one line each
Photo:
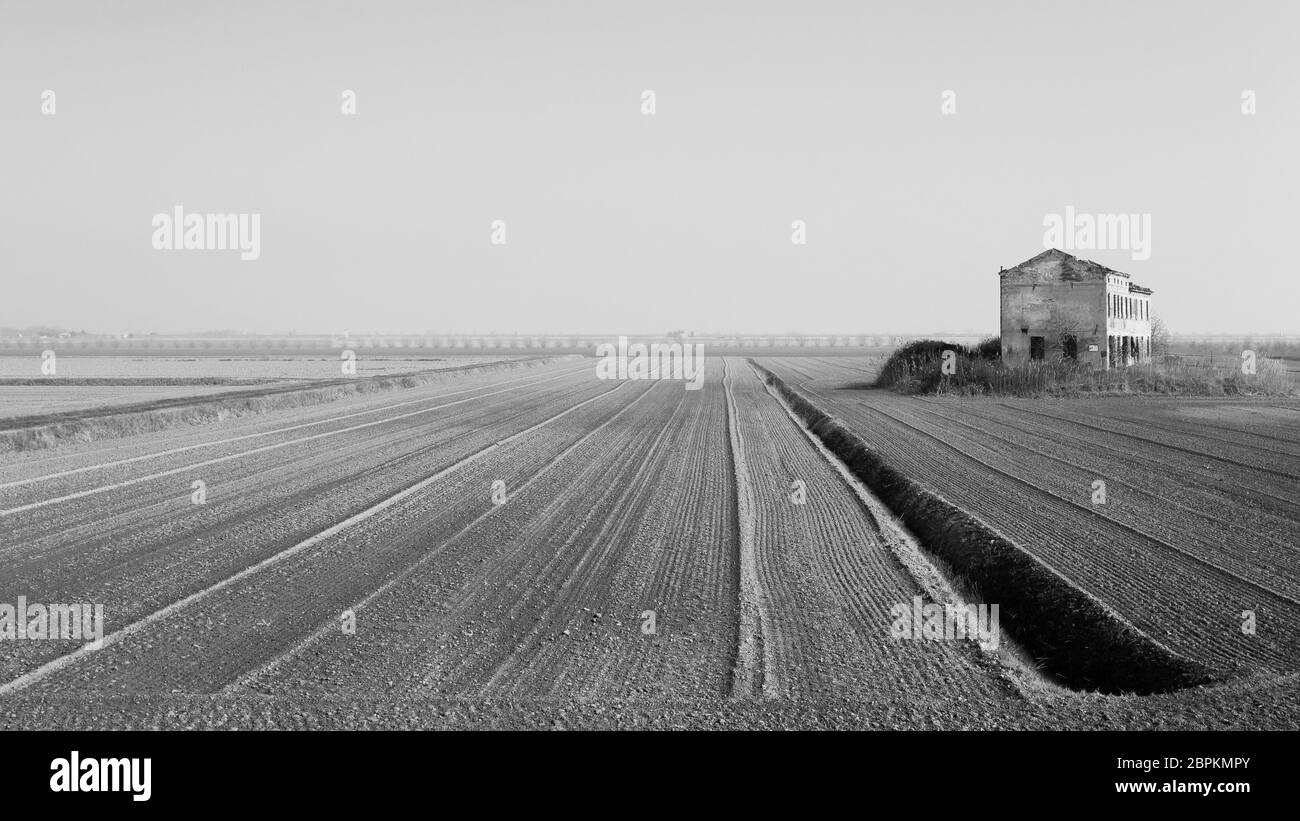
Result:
1267,345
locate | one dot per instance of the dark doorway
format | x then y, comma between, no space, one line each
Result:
1069,347
1036,347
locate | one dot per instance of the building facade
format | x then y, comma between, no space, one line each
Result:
1059,307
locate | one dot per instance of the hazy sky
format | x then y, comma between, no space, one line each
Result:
619,222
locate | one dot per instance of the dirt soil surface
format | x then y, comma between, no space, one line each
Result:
540,548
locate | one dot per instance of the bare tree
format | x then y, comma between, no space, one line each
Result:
1159,336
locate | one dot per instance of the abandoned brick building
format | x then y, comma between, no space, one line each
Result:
1056,306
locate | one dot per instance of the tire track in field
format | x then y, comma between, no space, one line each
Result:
754,674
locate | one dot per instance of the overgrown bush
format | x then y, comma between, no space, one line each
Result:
990,348
916,367
916,362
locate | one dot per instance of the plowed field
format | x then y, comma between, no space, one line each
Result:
1201,517
543,548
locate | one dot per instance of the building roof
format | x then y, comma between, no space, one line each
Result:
1054,264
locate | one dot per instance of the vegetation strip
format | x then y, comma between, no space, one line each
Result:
1077,639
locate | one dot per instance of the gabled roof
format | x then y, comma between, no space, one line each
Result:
1054,264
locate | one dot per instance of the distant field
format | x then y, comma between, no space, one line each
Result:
30,400
146,379
1191,356
251,367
